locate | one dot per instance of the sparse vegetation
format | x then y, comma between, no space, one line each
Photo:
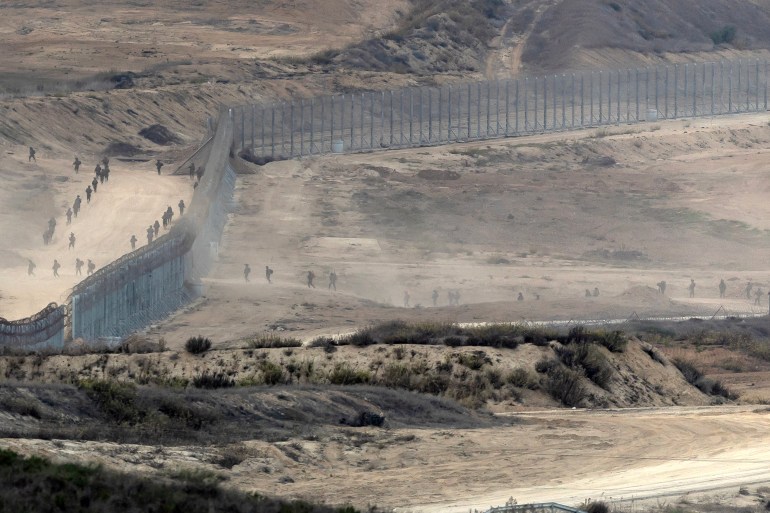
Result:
197,345
271,340
36,484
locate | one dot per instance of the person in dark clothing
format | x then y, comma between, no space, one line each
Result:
95,183
31,155
332,280
76,205
91,267
192,170
246,272
181,207
199,174
76,164
56,266
72,241
30,267
156,227
150,234
69,216
133,241
310,278
268,274
78,267
722,288
106,173
434,296
158,165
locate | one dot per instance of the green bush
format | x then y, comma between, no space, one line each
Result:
272,373
197,345
117,400
522,378
344,374
565,385
724,35
212,380
590,359
273,341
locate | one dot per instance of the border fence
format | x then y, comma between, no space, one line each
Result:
153,281
426,116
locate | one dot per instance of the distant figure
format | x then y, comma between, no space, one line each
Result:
158,165
133,241
103,175
150,234
521,297
56,266
758,297
76,164
692,287
52,224
457,298
69,216
30,267
588,293
106,161
332,280
310,278
662,287
169,214
195,185
95,183
749,286
76,205
32,156
722,288
106,173
434,296
98,170
88,194
181,207
91,267
78,267
72,240
537,297
47,236
164,218
156,227
246,272
596,291
268,274
192,170
199,174
406,299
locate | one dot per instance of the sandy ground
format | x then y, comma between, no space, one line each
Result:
34,192
653,455
687,196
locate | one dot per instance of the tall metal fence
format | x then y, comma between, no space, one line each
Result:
428,116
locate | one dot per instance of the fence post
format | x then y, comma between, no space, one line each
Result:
272,133
765,84
243,127
391,117
730,89
582,99
478,110
536,105
545,102
411,115
262,129
572,100
526,104
637,95
469,112
253,120
401,118
656,91
694,90
676,91
382,117
312,124
301,127
449,114
609,97
440,103
553,95
323,122
497,107
363,132
591,96
489,111
371,120
507,105
331,112
601,99
352,120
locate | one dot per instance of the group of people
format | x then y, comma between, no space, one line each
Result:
154,229
750,291
31,266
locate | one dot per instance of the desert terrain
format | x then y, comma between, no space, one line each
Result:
520,228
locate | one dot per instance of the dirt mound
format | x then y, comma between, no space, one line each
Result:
121,149
438,174
643,295
160,135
